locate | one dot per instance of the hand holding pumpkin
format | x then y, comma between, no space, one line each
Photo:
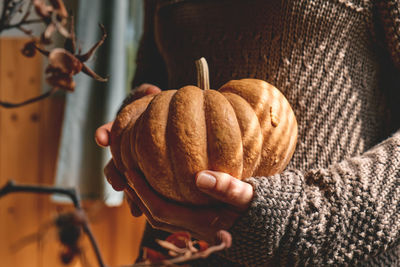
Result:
245,128
162,144
201,222
102,135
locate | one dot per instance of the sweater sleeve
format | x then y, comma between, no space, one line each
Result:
150,67
342,214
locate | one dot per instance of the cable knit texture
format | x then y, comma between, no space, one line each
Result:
337,62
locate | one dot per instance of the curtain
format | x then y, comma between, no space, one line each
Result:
80,161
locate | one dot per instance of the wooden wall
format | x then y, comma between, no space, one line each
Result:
29,138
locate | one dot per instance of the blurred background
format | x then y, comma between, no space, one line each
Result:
51,142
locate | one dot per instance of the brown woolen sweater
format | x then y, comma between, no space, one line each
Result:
337,62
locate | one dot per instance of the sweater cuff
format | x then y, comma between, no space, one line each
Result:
257,233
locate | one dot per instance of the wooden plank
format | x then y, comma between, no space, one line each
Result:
128,235
29,140
50,131
20,78
119,234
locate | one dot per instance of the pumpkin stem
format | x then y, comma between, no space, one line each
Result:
203,78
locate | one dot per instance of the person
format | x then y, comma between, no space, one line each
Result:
337,62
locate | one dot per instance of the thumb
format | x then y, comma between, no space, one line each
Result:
225,188
102,134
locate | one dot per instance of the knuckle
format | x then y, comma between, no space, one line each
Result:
223,183
152,89
135,211
234,191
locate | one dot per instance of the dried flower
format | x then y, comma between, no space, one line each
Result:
54,15
201,245
45,11
179,239
63,63
29,49
151,256
62,66
59,8
42,10
181,248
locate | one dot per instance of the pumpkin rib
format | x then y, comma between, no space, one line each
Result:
132,137
150,145
169,146
225,148
262,96
278,130
231,87
126,154
134,130
117,131
128,158
186,135
252,137
124,119
207,136
241,134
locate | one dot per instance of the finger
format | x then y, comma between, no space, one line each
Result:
102,134
205,221
152,89
132,200
145,89
225,188
114,177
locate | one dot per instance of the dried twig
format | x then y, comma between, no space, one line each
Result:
189,253
22,23
225,239
63,62
11,187
172,244
10,9
28,101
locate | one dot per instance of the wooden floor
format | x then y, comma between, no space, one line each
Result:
29,138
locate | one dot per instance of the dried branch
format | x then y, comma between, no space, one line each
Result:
28,101
39,235
179,245
22,23
189,253
63,65
225,239
11,187
87,55
63,62
70,43
10,9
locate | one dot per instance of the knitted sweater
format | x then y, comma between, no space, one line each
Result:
337,62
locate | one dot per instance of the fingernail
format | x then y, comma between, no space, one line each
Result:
205,180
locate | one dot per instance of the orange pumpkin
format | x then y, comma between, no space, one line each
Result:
246,128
